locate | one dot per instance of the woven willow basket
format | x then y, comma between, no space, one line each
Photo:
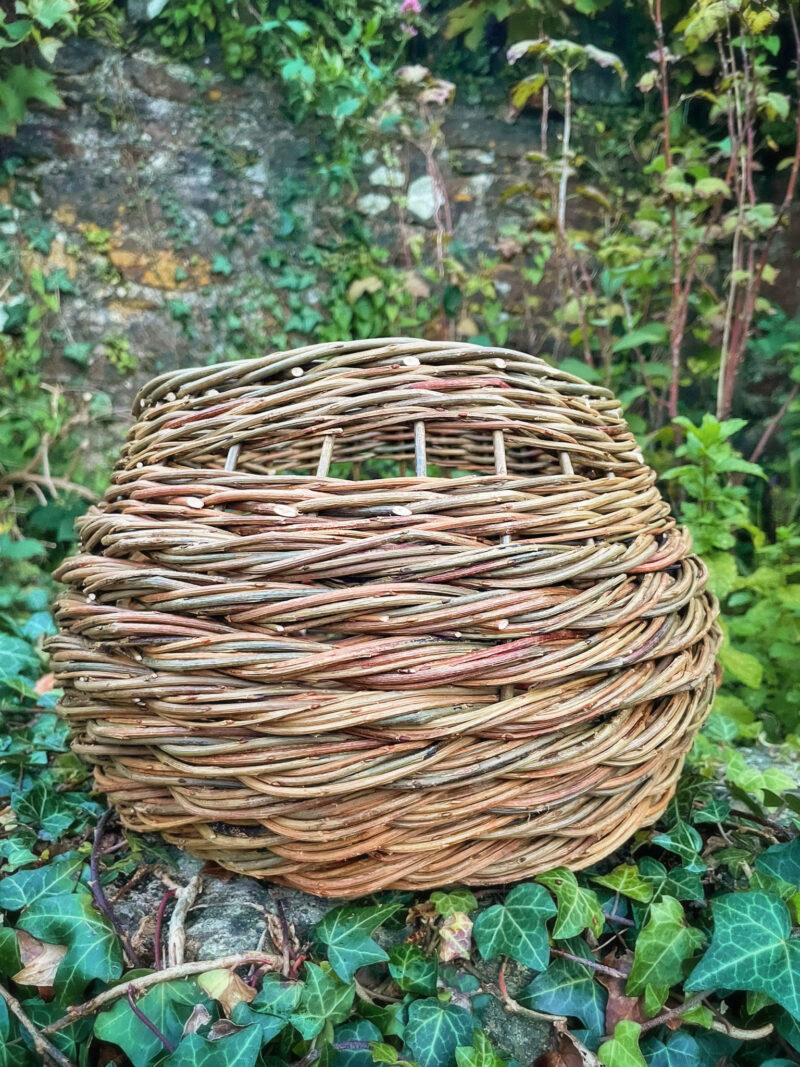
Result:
387,613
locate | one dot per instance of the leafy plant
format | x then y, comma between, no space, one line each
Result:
36,26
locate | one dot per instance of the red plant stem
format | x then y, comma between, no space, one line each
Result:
773,425
151,1026
96,886
162,907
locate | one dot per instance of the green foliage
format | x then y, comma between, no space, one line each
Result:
517,928
332,58
346,933
167,1006
752,948
435,1029
35,27
715,508
93,951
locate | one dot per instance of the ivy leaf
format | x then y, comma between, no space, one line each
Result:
413,971
10,962
751,949
358,1030
679,1050
685,842
625,879
16,850
578,908
456,900
221,265
568,988
93,951
272,1008
23,888
345,930
517,928
388,1018
324,999
51,813
662,947
235,1050
167,1005
680,882
481,1054
623,1048
782,861
435,1029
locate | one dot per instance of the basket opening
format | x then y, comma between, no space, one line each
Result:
432,450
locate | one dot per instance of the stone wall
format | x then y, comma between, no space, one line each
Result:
194,221
174,199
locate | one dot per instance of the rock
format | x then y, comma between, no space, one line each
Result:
423,198
155,80
373,203
78,55
392,177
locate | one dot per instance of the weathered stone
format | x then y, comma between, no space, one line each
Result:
423,198
78,55
391,177
159,269
155,80
374,203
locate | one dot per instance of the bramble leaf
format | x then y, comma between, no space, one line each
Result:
517,928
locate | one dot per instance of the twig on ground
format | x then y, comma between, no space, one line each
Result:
45,1048
673,1013
612,972
151,1026
371,995
96,886
169,974
176,933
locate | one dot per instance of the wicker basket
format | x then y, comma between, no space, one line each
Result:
385,613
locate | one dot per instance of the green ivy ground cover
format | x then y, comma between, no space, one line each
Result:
681,950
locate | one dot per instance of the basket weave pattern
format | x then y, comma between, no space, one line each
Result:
485,664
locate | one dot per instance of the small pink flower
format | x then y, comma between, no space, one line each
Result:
409,31
410,7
